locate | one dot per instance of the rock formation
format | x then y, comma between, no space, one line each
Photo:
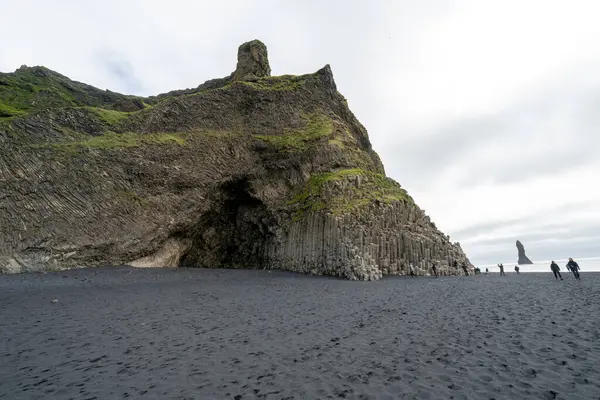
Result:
246,171
253,62
523,259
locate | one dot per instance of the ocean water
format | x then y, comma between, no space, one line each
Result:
586,264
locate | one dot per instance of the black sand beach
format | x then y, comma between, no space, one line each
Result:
233,334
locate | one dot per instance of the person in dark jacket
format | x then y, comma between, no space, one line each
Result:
574,268
501,269
434,269
517,270
556,270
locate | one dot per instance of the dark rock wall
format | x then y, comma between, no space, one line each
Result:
273,172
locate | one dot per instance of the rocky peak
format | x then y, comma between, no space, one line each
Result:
252,62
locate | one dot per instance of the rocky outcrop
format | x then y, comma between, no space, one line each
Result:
262,172
523,259
253,62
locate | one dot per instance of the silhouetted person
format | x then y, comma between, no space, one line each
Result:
517,270
556,269
501,269
574,268
434,269
464,267
487,271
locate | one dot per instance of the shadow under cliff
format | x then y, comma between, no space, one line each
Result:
234,234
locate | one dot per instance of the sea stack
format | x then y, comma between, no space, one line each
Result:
523,259
244,171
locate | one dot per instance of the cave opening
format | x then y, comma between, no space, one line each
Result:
234,234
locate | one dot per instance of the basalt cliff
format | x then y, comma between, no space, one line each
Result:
246,171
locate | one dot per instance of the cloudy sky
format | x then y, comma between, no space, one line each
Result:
486,111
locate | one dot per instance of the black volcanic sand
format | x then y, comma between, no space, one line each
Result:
233,334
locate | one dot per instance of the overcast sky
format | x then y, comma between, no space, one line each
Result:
486,111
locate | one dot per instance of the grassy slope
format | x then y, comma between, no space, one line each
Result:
320,192
30,89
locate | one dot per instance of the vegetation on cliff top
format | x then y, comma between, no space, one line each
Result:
346,190
277,83
36,88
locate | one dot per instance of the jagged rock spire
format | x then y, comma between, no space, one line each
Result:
253,61
523,259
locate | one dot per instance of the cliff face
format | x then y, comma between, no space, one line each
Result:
246,171
523,259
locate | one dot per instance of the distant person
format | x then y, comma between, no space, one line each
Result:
501,269
556,269
434,269
517,269
574,268
464,267
487,271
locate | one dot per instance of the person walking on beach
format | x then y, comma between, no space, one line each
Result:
517,270
487,271
501,269
574,268
556,270
464,267
434,269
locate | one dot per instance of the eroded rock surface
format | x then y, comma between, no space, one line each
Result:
253,62
247,171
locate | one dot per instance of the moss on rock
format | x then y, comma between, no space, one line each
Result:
110,117
356,188
7,111
39,88
316,126
277,83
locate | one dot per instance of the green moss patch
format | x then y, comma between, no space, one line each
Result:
7,111
319,193
38,88
287,83
110,117
315,126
